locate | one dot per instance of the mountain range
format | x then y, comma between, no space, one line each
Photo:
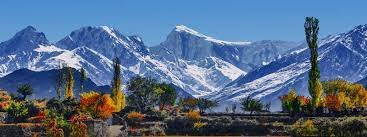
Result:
93,48
340,56
195,64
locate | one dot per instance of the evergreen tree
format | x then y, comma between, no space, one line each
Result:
314,83
117,94
83,77
69,83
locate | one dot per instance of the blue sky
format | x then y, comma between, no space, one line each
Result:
231,20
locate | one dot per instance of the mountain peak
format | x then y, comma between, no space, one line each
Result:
187,30
30,29
31,33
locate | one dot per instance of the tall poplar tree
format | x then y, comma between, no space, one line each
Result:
69,83
117,94
314,84
59,82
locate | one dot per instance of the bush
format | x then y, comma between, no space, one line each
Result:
295,104
193,116
77,126
135,117
5,99
306,128
351,128
17,112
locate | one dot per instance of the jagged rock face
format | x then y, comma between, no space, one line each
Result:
341,56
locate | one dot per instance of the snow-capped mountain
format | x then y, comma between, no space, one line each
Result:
188,44
340,56
96,44
193,62
30,49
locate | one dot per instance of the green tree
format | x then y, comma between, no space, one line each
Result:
83,78
142,96
167,95
25,90
314,84
251,105
69,85
205,104
117,95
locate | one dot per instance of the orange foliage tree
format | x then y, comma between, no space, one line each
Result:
96,105
343,95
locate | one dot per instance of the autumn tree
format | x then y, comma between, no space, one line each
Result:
117,95
25,90
69,83
314,85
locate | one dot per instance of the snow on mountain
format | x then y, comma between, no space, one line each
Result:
29,49
213,62
188,44
195,63
340,56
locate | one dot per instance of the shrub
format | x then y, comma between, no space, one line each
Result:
87,99
38,118
193,116
306,128
198,125
78,127
351,127
55,124
135,116
5,99
17,111
294,104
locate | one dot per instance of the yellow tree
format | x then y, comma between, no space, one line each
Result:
117,95
69,84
